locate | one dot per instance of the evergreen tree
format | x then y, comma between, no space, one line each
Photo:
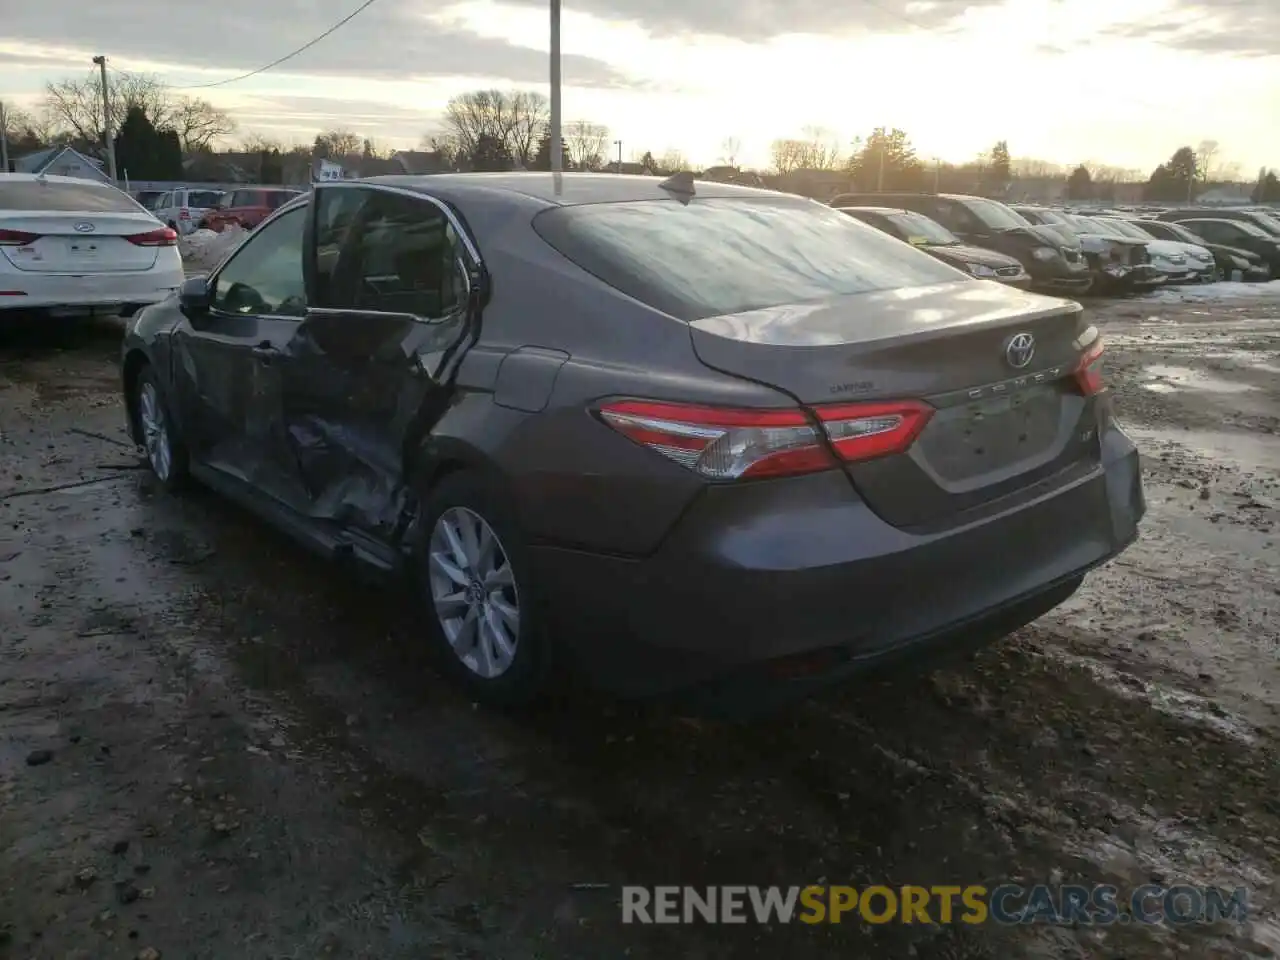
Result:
1080,184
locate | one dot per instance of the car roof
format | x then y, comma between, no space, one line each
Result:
883,211
566,189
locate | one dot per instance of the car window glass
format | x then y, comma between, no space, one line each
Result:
960,219
722,256
53,196
265,275
202,198
387,252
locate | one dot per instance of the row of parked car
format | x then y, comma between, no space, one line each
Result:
1060,251
185,209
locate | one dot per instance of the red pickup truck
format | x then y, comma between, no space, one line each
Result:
246,206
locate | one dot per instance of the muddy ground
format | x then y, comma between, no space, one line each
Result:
247,756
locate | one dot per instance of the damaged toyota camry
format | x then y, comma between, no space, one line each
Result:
675,436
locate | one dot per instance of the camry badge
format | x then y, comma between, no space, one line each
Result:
1020,349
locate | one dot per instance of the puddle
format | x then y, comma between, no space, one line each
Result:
1171,379
1250,451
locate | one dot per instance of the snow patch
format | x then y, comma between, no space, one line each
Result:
1225,290
202,250
1187,707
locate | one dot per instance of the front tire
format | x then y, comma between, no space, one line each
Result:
164,451
474,576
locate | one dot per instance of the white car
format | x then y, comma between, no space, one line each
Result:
74,246
182,208
1200,264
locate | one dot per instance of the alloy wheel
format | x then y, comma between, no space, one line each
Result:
155,431
474,592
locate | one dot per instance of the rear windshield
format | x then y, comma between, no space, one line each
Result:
64,197
1051,216
1102,228
1131,230
993,214
918,228
202,199
1251,229
1267,221
721,256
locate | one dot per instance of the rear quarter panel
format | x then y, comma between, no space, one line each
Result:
576,482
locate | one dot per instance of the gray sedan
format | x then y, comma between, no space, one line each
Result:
679,436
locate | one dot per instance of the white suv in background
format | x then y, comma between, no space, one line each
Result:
183,208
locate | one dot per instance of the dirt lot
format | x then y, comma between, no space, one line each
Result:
245,755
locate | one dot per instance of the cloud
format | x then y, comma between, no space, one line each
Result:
1245,28
758,20
392,40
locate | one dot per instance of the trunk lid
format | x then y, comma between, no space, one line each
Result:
79,243
998,428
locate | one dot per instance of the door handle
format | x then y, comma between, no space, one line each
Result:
266,351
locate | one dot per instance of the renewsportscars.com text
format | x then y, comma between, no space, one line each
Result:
972,904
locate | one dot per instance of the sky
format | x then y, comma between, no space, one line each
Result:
1065,81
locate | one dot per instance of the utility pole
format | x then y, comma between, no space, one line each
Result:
101,61
880,173
557,161
619,143
4,140
937,174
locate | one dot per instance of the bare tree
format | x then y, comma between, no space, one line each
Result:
1232,171
788,155
528,117
198,123
1205,152
339,143
444,144
673,161
730,148
75,106
587,142
1032,168
257,143
22,133
468,117
822,149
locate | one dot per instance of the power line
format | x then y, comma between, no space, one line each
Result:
288,56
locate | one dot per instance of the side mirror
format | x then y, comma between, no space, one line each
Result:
195,296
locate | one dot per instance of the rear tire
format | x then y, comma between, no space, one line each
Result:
474,576
164,451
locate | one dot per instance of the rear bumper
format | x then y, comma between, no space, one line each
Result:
760,580
34,291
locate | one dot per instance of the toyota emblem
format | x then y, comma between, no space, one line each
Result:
1019,350
84,226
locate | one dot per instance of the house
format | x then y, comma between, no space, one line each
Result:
62,162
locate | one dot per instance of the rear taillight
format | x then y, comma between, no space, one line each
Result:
17,238
164,237
184,214
1089,371
728,444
